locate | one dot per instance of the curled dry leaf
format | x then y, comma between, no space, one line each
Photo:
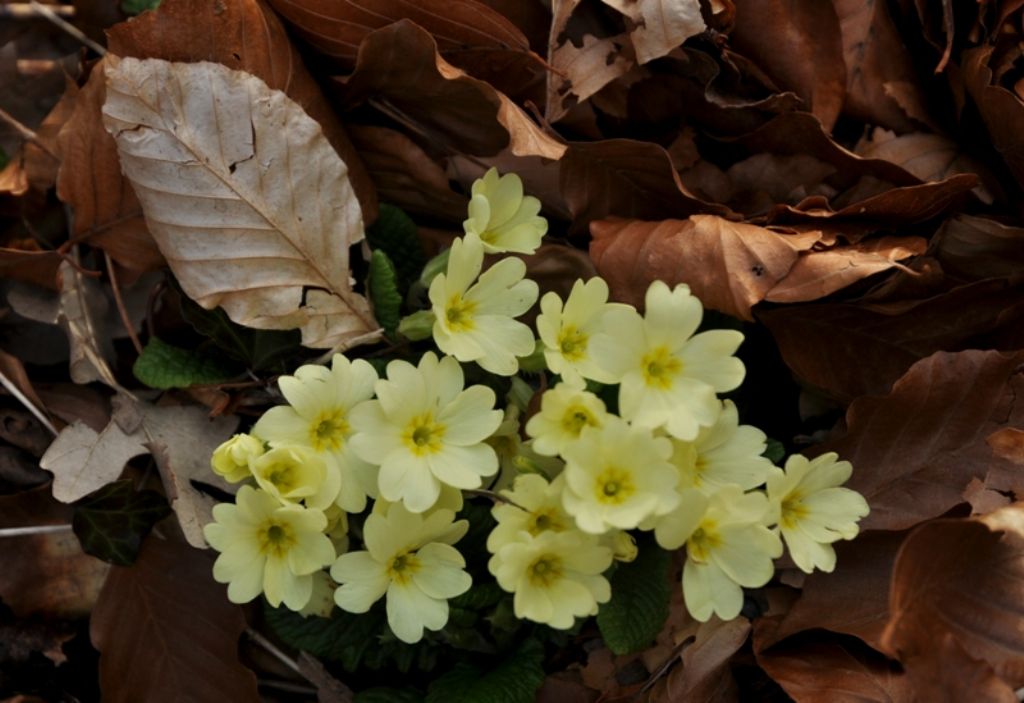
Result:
730,266
977,247
811,65
81,312
659,26
210,151
703,672
916,449
1001,109
819,273
457,112
166,631
181,439
956,591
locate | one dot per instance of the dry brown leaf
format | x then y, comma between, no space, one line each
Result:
1002,110
730,266
82,310
405,175
811,63
659,26
166,631
46,574
915,450
876,55
831,670
203,148
337,28
457,112
703,674
247,36
820,273
976,247
106,212
956,590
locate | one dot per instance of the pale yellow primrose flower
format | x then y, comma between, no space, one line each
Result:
727,546
293,474
317,417
812,511
537,508
408,559
321,603
268,548
474,321
502,217
727,452
565,411
424,430
555,576
618,476
567,331
451,499
668,376
231,459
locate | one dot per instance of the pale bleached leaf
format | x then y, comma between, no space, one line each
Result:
248,202
660,25
83,460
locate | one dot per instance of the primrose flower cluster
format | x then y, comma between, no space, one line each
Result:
572,483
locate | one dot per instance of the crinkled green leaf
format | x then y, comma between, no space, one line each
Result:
162,365
383,694
395,234
639,604
135,7
481,595
515,680
384,295
259,350
112,522
343,637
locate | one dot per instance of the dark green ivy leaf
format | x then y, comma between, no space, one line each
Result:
640,599
775,451
515,680
259,350
387,302
395,234
162,365
112,522
382,694
343,637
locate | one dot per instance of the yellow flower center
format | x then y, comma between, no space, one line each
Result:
275,539
423,435
282,475
703,541
576,417
459,314
545,570
792,511
572,343
402,567
546,519
660,368
614,486
328,430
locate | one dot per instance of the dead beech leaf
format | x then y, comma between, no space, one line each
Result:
247,36
703,673
659,26
730,266
459,112
957,586
1001,109
819,273
831,670
82,311
46,574
811,65
166,631
209,153
107,214
977,247
83,460
915,450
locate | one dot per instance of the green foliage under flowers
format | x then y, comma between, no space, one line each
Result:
112,522
514,680
640,596
162,365
387,301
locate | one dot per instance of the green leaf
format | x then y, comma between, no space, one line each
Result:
112,522
343,637
384,694
162,365
260,350
515,680
135,7
387,302
395,234
775,451
639,604
484,594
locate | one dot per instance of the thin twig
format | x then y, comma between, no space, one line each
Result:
67,27
25,11
273,650
496,497
119,301
29,405
36,530
26,133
